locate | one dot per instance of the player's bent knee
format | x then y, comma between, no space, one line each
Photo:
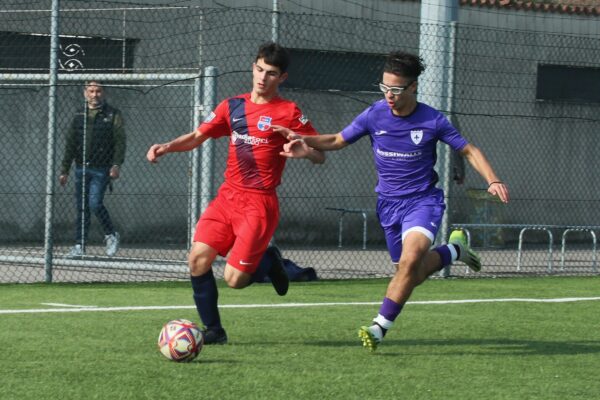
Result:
198,264
236,283
236,279
197,269
408,269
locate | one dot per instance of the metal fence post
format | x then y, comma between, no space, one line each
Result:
435,84
194,176
207,162
50,148
275,22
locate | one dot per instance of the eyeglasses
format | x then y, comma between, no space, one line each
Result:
396,90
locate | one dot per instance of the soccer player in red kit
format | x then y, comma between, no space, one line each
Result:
243,217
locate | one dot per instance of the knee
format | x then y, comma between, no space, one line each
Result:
95,204
199,264
408,268
236,279
236,282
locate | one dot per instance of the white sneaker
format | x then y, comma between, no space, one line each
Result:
76,251
112,244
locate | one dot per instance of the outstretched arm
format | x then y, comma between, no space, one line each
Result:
298,148
326,142
185,142
478,160
315,156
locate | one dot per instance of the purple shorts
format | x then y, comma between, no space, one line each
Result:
398,216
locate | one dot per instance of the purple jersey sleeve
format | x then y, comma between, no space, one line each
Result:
449,135
358,128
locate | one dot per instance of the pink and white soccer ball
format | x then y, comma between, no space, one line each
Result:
180,340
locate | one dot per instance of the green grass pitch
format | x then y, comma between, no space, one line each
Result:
480,350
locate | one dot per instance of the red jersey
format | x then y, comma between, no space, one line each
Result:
254,162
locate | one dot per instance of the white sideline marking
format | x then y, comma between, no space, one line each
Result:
66,305
289,305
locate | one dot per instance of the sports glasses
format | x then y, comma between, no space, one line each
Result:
396,90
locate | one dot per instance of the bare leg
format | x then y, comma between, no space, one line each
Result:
201,258
235,278
416,263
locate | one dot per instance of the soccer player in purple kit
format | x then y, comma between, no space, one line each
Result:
404,134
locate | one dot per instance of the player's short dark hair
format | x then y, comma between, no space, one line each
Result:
93,82
404,64
274,55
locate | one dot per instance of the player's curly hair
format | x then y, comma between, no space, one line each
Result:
404,64
274,55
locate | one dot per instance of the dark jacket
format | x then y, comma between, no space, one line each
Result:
104,138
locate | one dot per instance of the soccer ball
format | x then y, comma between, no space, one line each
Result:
180,340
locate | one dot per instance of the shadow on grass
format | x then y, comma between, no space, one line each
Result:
207,360
461,347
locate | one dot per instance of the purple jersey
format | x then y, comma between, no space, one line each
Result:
404,148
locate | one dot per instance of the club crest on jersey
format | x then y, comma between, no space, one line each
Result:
264,123
303,119
416,136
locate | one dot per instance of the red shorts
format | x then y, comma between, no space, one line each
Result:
240,223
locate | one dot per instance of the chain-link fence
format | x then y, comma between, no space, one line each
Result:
153,62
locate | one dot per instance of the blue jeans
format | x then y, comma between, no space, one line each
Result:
96,182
